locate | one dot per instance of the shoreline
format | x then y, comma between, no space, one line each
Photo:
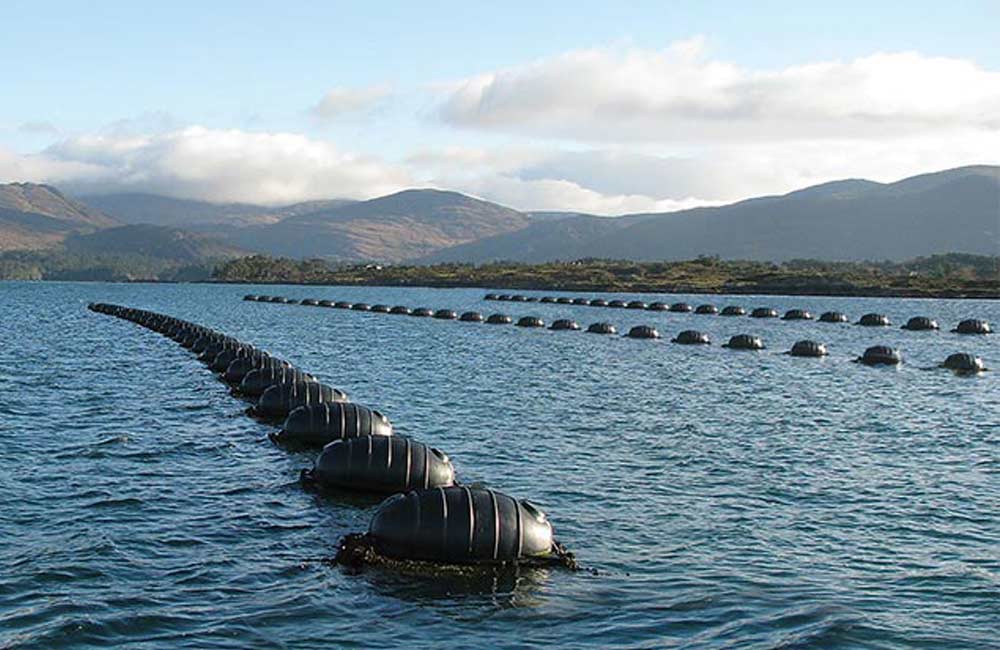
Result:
583,287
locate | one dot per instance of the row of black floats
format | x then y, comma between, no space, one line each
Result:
917,323
876,355
429,518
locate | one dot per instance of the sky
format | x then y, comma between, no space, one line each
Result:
598,107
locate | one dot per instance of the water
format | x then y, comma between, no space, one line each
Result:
727,499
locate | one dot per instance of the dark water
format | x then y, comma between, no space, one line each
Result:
727,499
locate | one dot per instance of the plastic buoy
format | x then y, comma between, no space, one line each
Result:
319,424
400,309
564,324
692,337
797,314
733,310
808,349
879,355
918,323
764,312
385,464
602,328
471,317
973,326
681,307
461,525
874,320
530,321
499,319
963,362
280,399
707,310
643,332
744,342
833,317
445,314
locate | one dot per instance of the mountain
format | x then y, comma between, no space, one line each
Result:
393,228
159,210
160,242
38,216
956,210
541,241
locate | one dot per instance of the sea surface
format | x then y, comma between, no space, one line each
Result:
722,499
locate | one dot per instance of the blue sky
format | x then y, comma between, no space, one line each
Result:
401,105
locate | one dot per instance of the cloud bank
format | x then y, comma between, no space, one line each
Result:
606,131
679,95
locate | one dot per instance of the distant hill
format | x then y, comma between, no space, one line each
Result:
158,242
957,210
159,210
393,228
551,238
34,216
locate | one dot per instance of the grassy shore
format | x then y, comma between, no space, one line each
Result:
939,276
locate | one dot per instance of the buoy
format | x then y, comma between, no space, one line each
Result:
636,304
471,317
460,525
309,302
503,296
879,355
548,299
808,349
744,342
733,310
643,332
602,328
421,312
387,464
380,309
490,296
499,319
343,304
918,323
973,326
564,324
563,300
707,310
598,302
400,309
692,337
445,314
681,307
658,306
530,321
531,299
321,423
874,320
833,317
797,314
326,303
581,301
240,366
259,380
963,362
361,306
280,399
764,312
617,304
519,298
250,297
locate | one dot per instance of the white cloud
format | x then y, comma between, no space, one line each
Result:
679,95
341,101
209,164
